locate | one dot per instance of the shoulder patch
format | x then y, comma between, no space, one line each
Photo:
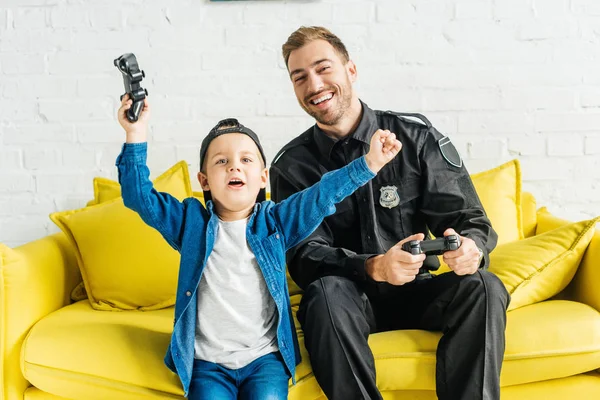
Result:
449,152
413,117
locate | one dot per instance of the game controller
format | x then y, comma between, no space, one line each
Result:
132,76
433,247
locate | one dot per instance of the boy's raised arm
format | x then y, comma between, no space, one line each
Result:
300,214
160,210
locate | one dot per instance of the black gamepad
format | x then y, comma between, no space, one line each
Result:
433,247
132,76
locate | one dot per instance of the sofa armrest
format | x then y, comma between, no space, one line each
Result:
35,280
585,285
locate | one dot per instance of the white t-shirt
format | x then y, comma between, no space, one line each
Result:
237,315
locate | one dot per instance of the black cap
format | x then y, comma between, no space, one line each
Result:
233,126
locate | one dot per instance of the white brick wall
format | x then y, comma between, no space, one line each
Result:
504,78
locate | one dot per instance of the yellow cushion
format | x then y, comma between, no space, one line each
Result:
80,353
539,267
546,340
104,190
199,196
543,341
499,190
125,264
529,208
546,221
170,181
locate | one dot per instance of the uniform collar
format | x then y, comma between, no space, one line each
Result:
365,129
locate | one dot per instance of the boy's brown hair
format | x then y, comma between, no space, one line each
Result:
306,34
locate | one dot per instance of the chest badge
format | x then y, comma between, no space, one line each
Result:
389,196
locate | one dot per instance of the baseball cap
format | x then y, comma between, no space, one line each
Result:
231,125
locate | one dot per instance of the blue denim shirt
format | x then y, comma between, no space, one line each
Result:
190,228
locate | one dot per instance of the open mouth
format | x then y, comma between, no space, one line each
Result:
236,183
322,101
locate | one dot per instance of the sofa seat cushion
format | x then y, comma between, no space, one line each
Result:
79,352
547,340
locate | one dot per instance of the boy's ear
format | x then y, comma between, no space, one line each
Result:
264,178
203,179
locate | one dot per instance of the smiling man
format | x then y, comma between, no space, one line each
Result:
357,280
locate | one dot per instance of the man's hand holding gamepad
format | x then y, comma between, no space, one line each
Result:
136,132
396,266
383,148
466,259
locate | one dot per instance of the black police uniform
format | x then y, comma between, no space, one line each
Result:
425,188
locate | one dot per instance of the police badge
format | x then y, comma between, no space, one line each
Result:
389,196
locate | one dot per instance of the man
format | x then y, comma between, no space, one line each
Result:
356,278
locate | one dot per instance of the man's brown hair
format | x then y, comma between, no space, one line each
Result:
306,34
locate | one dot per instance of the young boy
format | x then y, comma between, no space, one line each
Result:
234,334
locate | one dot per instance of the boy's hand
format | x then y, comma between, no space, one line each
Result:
384,147
136,132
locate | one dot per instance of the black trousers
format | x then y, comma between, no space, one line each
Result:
337,315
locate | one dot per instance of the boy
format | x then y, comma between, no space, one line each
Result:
234,333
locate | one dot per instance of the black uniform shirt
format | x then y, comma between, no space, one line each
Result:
425,188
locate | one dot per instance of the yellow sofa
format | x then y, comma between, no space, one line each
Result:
53,348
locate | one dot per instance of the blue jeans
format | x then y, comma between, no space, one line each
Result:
265,378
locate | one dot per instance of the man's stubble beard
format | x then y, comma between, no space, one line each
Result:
332,117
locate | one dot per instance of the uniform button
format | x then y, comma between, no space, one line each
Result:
188,293
277,236
369,237
364,199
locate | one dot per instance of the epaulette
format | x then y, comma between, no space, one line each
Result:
298,141
418,117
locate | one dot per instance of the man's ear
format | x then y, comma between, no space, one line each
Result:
352,72
264,178
203,179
